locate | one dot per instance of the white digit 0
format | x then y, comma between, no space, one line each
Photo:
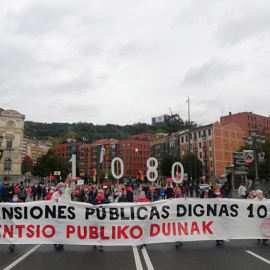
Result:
152,169
182,172
121,168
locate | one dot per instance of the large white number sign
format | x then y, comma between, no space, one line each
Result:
178,181
152,169
121,168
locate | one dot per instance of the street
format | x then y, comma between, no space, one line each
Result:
233,254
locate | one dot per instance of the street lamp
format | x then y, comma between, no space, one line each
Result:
253,143
1,139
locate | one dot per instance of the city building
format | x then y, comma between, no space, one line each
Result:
34,148
133,152
160,119
214,146
169,145
248,121
11,135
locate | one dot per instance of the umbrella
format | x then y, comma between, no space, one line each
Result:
171,180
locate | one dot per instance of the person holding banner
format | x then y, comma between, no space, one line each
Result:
100,199
260,197
142,198
242,191
63,195
14,199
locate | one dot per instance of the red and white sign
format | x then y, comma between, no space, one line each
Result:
48,222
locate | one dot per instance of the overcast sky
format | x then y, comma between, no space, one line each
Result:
126,61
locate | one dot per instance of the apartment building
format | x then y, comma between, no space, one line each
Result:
214,146
133,152
248,121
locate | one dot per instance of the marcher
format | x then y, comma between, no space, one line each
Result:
216,193
169,191
50,193
151,194
142,197
124,197
22,193
14,199
260,197
63,195
34,192
100,199
130,193
225,189
242,191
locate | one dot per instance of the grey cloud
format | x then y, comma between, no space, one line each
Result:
250,22
210,72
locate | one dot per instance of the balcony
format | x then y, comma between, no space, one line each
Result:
195,149
204,137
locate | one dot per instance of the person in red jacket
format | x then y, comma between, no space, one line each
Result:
142,197
49,195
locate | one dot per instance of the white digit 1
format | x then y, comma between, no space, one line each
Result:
121,168
173,172
152,169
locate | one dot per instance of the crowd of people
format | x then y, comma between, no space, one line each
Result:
102,194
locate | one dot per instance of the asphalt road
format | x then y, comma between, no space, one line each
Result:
234,254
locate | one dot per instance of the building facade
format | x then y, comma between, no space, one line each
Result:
133,152
12,131
214,146
248,121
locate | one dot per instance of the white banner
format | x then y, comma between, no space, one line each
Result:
47,222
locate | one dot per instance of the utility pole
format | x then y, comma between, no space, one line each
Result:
189,152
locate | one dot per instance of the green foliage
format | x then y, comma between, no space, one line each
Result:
48,164
166,165
102,175
196,165
27,164
45,131
263,169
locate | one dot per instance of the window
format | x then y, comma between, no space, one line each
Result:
121,152
128,144
122,145
199,134
200,154
128,165
209,132
210,144
128,158
195,136
200,145
210,153
7,166
129,151
9,144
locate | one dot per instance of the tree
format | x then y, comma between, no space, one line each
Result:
166,165
27,164
49,163
102,175
196,165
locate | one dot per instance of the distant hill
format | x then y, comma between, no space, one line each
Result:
43,131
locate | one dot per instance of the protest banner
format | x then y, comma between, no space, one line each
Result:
48,222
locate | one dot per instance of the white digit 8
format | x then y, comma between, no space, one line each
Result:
182,173
121,168
152,169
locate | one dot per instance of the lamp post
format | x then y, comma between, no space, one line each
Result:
253,143
1,139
